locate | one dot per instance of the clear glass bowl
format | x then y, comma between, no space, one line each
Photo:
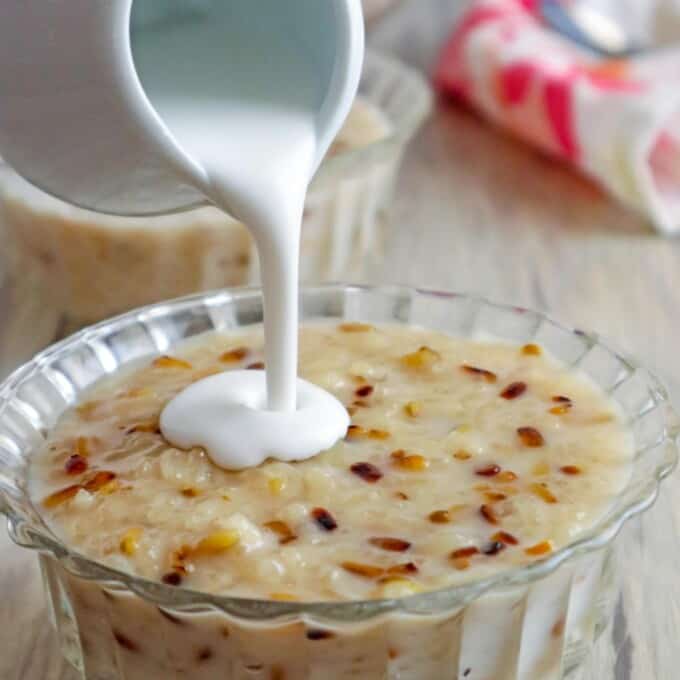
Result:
103,265
530,623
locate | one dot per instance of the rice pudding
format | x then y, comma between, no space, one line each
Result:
464,458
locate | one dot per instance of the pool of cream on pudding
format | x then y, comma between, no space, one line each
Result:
464,458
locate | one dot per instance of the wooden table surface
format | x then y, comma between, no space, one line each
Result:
477,211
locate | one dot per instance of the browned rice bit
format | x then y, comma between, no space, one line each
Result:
284,597
234,355
488,471
406,568
75,465
543,492
482,373
391,544
571,470
532,350
282,530
151,426
440,517
215,543
83,446
358,432
564,404
99,480
412,462
493,548
256,366
368,472
514,390
317,634
413,408
505,477
172,578
464,552
365,391
166,361
504,537
494,496
365,570
424,357
58,497
324,519
355,327
462,455
488,513
461,563
129,543
530,436
542,548
560,410
178,558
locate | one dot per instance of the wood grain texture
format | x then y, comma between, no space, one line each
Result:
478,211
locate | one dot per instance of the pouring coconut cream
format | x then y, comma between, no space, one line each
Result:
236,105
258,152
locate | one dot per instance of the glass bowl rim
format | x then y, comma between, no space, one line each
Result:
40,538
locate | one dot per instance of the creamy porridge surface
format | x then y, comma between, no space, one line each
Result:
463,458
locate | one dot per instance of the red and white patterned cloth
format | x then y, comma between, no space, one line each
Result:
617,120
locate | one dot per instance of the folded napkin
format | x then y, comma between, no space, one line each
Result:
617,120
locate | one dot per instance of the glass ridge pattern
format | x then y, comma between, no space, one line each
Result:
35,395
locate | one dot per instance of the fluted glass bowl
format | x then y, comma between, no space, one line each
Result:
531,623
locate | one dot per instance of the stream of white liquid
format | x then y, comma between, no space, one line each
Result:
259,151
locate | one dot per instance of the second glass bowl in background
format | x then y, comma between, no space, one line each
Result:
104,265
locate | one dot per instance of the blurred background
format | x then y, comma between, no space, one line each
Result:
505,147
521,149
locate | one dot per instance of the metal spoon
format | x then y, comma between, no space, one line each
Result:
581,23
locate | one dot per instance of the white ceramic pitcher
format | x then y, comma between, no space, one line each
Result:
76,116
